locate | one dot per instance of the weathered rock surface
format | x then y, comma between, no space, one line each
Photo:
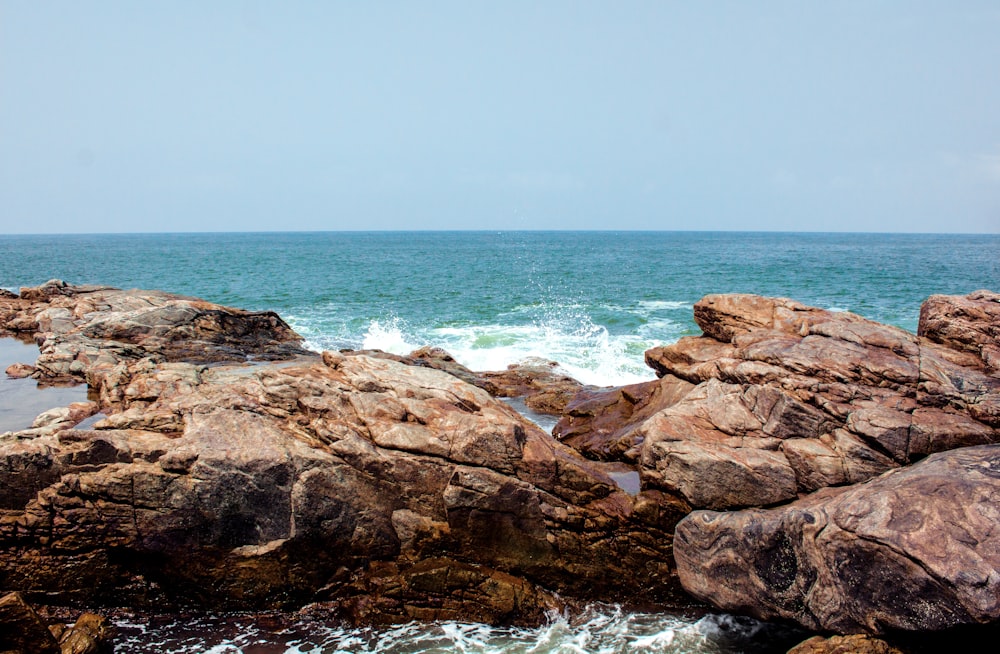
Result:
544,388
602,423
21,630
853,644
391,491
916,549
965,324
788,399
81,329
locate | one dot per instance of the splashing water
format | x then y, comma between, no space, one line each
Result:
598,629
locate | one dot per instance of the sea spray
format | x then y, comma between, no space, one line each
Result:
597,629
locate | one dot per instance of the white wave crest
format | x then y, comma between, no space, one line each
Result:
388,336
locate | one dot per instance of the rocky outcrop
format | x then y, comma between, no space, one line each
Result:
541,384
853,644
22,631
390,491
89,329
789,399
602,423
968,324
221,465
916,549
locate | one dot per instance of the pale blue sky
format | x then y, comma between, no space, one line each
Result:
246,116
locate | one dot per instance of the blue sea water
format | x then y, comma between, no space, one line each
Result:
593,301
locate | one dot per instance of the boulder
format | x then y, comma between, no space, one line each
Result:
853,644
784,399
21,630
89,328
965,324
601,423
90,634
915,549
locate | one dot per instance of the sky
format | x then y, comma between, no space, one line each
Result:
559,114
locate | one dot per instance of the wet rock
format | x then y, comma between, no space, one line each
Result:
601,423
83,329
21,630
853,644
914,550
20,370
544,387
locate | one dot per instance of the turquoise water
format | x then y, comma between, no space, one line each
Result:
594,301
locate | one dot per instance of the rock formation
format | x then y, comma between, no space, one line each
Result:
777,399
916,549
390,491
224,466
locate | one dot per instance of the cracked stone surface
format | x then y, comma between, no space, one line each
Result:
386,491
917,549
778,399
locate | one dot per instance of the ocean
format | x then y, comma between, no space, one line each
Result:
592,301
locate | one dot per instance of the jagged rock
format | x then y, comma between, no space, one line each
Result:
789,399
21,630
90,634
965,324
601,423
390,490
916,549
89,328
853,644
543,386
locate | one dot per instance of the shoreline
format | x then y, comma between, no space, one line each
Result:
394,488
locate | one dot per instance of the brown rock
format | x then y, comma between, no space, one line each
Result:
791,398
600,423
915,550
20,370
274,485
543,386
21,630
91,328
90,634
965,324
853,644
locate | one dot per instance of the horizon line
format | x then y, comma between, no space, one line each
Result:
496,231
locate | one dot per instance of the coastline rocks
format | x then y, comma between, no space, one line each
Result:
788,399
223,466
84,329
390,491
853,644
540,383
965,324
22,631
916,549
